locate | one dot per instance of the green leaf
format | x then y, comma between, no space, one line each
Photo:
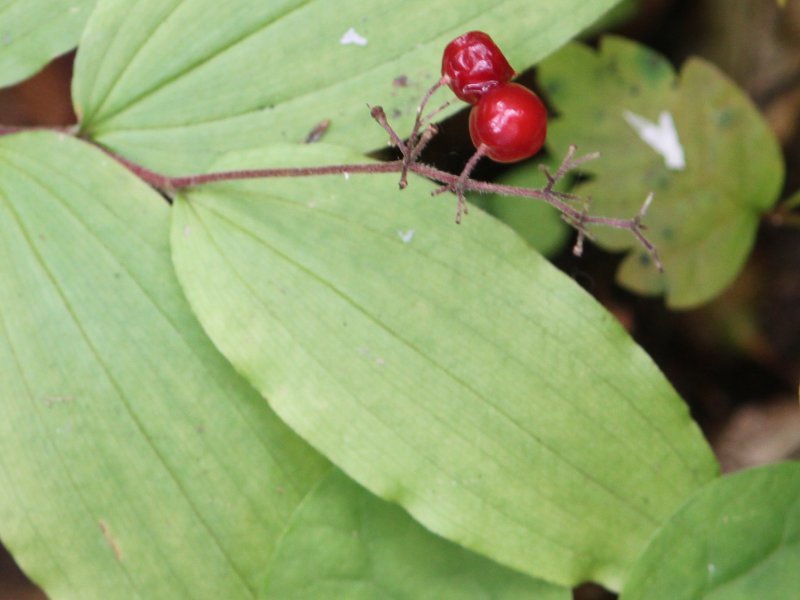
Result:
345,543
739,538
133,461
33,32
449,369
704,217
196,78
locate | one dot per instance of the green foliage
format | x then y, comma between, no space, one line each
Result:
344,543
123,421
32,32
704,217
278,68
430,388
135,462
738,539
449,370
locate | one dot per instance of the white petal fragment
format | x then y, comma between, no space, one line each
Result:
661,137
406,236
351,36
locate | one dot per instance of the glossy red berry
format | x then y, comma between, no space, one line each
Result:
474,64
510,121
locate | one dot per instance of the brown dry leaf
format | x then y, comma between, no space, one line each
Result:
759,434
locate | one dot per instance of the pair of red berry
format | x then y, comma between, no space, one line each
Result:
507,120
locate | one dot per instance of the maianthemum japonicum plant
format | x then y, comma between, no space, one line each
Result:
238,365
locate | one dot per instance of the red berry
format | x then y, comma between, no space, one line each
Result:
510,121
474,64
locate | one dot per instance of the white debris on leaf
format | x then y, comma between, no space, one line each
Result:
406,236
661,137
351,36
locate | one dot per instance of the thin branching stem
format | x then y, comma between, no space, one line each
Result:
421,134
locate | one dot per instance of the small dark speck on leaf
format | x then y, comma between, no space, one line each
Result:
52,400
644,260
599,116
725,118
110,540
396,113
553,87
318,131
659,179
667,233
653,60
400,81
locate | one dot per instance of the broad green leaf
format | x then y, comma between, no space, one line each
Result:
345,543
133,461
704,217
738,539
538,223
173,84
33,32
449,369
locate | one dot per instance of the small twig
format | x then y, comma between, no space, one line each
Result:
419,120
379,115
580,227
430,131
430,116
416,142
458,185
568,164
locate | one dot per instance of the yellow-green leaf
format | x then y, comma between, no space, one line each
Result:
695,140
449,369
33,32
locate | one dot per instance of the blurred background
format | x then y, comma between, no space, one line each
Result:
736,360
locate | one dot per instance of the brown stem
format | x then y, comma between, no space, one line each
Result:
172,184
578,218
